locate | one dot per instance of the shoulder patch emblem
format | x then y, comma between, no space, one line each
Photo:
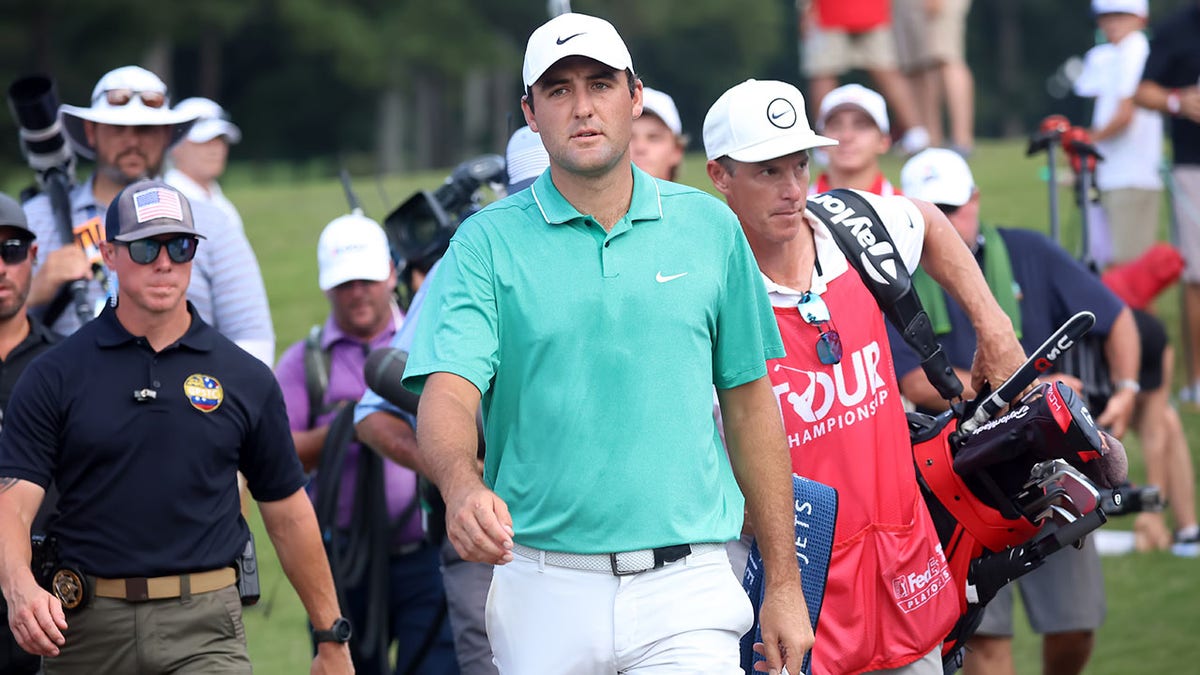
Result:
203,392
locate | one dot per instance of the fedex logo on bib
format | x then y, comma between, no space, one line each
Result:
821,402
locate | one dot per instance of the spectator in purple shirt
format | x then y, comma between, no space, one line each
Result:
357,276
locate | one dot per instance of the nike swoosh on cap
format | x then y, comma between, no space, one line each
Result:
563,40
664,279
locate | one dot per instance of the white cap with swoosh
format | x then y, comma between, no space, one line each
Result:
573,35
759,120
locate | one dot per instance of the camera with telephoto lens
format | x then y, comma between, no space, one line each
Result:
33,101
419,230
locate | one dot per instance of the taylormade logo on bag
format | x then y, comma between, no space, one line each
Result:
877,256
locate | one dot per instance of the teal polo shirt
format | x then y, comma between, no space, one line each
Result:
596,353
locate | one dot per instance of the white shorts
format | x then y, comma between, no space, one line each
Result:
686,617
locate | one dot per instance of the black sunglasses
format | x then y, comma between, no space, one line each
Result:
948,209
816,313
180,249
14,251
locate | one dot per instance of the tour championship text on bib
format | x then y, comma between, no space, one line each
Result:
846,428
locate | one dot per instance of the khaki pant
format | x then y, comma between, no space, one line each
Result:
1186,202
833,52
923,41
200,634
1132,215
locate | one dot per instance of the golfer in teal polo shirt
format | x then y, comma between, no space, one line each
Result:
593,314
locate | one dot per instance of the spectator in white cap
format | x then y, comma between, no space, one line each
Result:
358,277
525,159
199,160
127,130
628,298
658,141
855,117
852,436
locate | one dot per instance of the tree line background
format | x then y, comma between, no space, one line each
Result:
394,85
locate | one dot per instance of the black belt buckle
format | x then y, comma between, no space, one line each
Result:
662,556
669,554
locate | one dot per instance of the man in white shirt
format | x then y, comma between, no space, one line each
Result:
199,160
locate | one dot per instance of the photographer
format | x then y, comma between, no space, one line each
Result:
127,130
358,278
141,419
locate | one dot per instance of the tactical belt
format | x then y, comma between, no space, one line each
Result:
141,589
617,564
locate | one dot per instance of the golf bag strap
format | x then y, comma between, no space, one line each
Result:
862,237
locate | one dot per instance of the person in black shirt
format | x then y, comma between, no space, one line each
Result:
141,418
22,338
1169,84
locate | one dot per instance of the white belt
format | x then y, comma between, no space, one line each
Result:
617,564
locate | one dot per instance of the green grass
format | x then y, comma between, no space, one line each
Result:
1153,599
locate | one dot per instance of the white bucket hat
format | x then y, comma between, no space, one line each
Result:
133,113
211,120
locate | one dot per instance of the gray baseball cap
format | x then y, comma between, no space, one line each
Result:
147,209
12,215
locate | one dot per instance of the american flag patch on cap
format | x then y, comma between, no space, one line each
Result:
157,203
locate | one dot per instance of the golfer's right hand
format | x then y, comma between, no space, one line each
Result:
35,618
479,526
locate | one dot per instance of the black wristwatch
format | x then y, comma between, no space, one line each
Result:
338,632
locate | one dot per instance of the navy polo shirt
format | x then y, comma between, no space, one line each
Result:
1174,62
1053,288
39,340
149,488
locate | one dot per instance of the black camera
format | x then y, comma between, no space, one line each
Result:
34,104
419,230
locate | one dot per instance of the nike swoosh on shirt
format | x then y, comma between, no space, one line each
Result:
781,114
563,40
664,279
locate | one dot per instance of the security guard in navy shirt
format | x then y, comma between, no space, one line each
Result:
141,418
22,338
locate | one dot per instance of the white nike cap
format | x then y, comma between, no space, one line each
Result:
938,175
759,120
573,35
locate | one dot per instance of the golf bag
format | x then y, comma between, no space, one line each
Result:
1004,493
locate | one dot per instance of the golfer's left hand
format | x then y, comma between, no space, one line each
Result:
786,630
